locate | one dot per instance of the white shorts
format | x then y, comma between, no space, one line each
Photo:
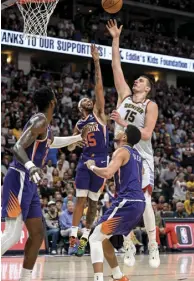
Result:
148,176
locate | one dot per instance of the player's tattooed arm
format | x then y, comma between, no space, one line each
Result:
120,158
122,87
99,91
37,129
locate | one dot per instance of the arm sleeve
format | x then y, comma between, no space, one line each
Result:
59,142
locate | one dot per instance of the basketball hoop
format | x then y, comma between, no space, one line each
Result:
36,15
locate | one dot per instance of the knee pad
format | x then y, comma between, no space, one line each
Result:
12,233
97,235
96,249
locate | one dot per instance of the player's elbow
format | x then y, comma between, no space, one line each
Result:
146,135
16,149
108,175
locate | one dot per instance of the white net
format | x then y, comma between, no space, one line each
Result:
36,15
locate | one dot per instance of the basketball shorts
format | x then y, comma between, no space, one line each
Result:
122,217
88,183
20,196
147,178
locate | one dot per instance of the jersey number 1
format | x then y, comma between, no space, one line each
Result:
130,116
91,139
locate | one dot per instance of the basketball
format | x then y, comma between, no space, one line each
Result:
112,6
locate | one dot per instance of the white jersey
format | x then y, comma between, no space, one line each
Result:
134,113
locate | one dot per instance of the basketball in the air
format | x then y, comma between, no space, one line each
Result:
112,6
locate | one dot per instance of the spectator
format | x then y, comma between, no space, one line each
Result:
167,177
70,198
190,183
163,230
55,128
52,226
45,191
179,188
64,162
189,204
65,220
49,166
17,131
179,213
47,175
59,205
55,175
60,169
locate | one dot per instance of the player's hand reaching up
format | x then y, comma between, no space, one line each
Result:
113,28
90,163
36,174
94,52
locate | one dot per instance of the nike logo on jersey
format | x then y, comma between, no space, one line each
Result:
103,161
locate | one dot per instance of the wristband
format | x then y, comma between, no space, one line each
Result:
92,167
28,165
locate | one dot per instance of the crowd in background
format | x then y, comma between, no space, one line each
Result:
183,5
149,34
173,143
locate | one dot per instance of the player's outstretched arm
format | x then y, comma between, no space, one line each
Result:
120,158
78,138
99,91
37,127
119,79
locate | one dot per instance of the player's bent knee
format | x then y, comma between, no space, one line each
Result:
94,196
97,235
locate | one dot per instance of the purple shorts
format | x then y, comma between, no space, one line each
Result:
86,179
20,196
122,217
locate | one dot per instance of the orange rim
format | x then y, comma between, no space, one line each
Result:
22,2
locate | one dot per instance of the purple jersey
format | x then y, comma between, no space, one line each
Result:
128,179
97,138
37,151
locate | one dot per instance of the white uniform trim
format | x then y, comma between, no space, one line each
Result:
22,179
12,233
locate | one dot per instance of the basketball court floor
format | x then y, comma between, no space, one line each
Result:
50,268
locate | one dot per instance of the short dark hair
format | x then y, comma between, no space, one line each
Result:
43,97
133,134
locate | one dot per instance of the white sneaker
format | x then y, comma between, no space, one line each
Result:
53,252
130,251
154,259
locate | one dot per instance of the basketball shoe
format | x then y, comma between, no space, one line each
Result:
129,258
124,278
154,258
